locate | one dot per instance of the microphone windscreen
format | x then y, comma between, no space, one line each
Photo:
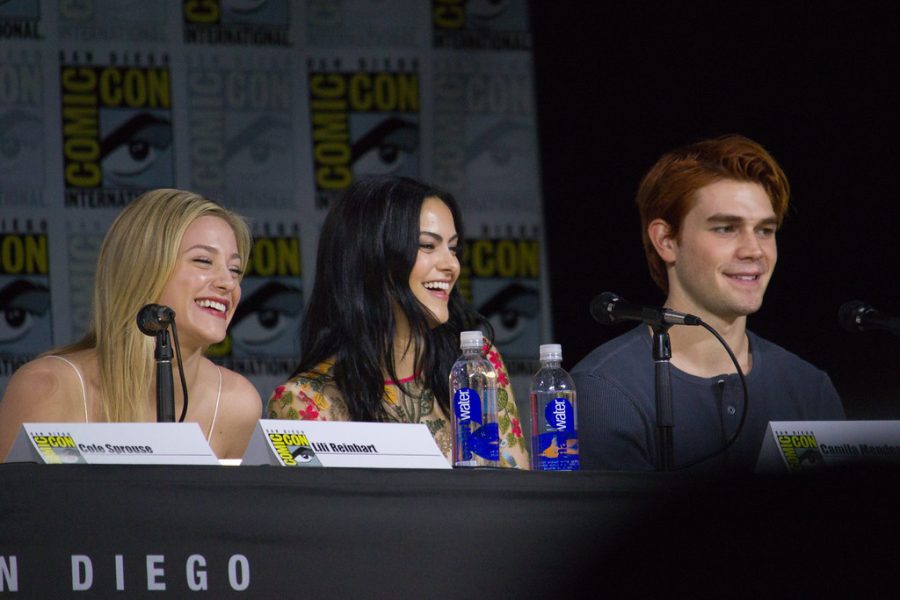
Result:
153,318
849,313
601,306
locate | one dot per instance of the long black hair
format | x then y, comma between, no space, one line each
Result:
367,249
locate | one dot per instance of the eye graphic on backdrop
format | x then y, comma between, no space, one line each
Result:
510,311
385,148
134,147
266,314
486,9
260,147
373,10
20,10
20,303
503,145
501,162
19,147
250,12
243,6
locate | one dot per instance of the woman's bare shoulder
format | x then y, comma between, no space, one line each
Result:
45,390
45,379
239,393
239,409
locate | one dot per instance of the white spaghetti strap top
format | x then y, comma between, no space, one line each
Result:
216,413
81,381
212,425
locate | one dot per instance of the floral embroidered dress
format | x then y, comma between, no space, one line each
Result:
314,396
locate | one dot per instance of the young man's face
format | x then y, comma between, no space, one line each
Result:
724,256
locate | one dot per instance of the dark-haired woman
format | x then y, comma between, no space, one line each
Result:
381,331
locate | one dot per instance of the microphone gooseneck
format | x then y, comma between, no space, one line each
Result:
154,320
856,315
609,308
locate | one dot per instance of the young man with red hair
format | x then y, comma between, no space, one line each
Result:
709,213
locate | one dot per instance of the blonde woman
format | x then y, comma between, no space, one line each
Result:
168,247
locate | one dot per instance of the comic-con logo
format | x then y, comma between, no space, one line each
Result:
82,247
117,132
25,326
242,148
133,21
267,320
501,277
484,138
20,20
362,123
58,448
381,24
293,449
800,450
480,24
237,22
22,165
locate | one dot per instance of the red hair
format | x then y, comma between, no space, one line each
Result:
668,189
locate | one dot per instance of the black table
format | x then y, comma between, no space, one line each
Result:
267,532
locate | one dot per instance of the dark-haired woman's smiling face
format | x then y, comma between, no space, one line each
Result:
437,266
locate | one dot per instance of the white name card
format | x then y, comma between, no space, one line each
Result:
343,444
112,443
800,445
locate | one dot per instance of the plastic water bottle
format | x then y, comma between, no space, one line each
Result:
554,430
473,385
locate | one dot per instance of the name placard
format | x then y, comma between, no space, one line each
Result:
112,443
343,444
800,445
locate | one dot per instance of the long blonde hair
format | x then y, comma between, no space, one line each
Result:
137,257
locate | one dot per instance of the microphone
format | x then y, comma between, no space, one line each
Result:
611,308
858,316
154,318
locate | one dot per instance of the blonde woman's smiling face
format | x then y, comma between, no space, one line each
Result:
204,288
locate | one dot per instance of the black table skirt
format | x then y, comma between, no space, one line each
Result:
258,532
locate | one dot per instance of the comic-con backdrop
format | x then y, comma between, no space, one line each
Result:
272,107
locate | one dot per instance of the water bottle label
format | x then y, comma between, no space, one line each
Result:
467,405
475,437
560,415
485,441
556,451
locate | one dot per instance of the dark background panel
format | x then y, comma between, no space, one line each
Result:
816,83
